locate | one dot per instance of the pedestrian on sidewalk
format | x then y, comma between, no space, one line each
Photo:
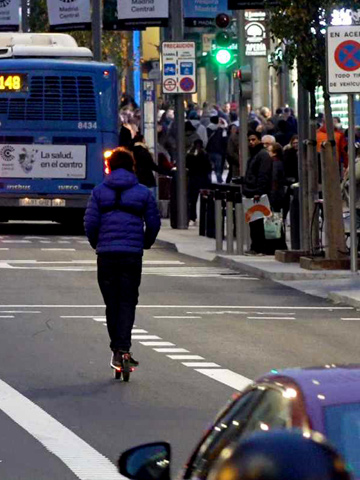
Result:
277,196
117,212
217,144
199,173
257,182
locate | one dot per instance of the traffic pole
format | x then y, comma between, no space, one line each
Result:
97,29
177,35
243,120
352,189
24,16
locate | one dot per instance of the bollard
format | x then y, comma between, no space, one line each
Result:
210,215
203,212
229,223
218,221
239,224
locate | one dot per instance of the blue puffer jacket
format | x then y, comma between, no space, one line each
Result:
112,229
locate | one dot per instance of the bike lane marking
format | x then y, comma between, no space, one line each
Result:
82,459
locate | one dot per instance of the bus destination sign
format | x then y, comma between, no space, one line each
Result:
13,82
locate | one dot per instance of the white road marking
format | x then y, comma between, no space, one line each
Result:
6,316
5,249
173,316
227,377
20,311
83,316
158,344
145,337
271,318
16,241
201,364
138,330
163,262
171,350
185,357
351,318
82,459
99,319
58,249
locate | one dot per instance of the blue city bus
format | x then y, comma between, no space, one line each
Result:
57,118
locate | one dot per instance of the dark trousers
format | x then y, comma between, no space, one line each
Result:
119,277
196,183
257,235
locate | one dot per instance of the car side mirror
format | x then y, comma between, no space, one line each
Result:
150,461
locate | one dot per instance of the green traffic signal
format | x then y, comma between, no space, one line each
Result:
223,56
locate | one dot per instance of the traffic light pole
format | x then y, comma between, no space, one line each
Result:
97,29
243,113
177,34
243,118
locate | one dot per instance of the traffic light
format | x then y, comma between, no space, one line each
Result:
245,84
223,39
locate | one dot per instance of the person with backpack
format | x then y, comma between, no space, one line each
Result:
217,145
117,212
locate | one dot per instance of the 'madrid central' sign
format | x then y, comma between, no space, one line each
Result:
143,13
69,14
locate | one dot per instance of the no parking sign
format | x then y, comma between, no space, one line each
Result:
343,59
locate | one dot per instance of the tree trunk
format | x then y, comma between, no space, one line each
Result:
313,177
334,223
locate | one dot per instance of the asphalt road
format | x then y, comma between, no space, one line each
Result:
202,332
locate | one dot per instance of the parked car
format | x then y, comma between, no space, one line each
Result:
323,399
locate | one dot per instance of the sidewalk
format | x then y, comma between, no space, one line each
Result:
340,286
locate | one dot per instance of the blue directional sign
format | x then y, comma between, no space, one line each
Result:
186,68
170,69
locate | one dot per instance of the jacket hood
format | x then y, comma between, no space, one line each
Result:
121,178
195,123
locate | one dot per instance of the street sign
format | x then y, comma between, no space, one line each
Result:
178,67
343,59
255,34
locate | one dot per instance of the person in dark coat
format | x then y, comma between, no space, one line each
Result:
283,135
199,175
291,167
257,182
277,195
145,165
117,212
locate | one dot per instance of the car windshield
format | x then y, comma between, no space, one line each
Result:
342,423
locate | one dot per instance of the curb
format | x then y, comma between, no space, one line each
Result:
340,298
271,275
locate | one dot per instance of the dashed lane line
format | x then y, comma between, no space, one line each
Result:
185,357
271,318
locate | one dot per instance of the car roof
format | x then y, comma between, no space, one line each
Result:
321,386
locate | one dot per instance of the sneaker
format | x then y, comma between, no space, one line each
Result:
116,359
192,223
133,362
